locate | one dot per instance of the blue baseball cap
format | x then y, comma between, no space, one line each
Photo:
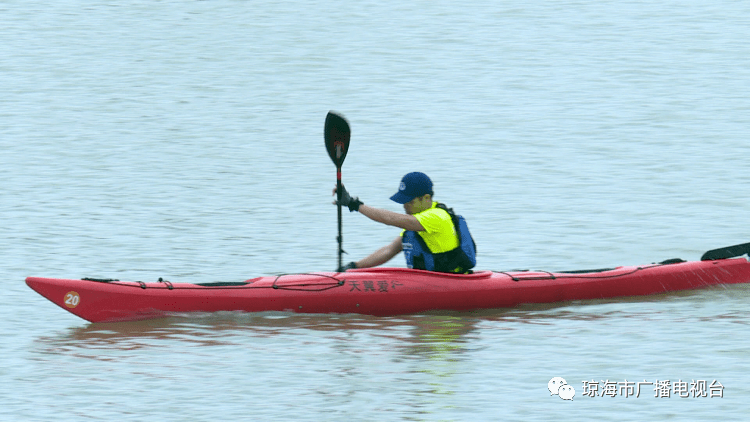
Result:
412,185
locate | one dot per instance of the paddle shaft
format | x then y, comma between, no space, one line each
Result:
339,194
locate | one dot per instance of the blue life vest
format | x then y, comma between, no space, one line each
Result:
460,260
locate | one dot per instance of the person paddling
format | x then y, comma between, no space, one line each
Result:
434,238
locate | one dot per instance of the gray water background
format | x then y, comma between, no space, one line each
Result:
183,140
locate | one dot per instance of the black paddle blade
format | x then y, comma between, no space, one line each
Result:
337,135
726,253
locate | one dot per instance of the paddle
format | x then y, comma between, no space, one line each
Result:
337,134
726,253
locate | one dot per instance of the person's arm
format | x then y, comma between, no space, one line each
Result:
404,221
382,255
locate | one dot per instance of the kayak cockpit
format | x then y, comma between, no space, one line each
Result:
406,271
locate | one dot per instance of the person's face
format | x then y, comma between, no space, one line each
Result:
418,204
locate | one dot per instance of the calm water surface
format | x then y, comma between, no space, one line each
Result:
183,140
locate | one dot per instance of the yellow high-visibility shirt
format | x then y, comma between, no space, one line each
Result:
439,232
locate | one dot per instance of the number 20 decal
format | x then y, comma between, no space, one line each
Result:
72,299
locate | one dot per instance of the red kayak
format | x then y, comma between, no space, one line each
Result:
385,291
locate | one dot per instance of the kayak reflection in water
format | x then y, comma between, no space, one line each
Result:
433,237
